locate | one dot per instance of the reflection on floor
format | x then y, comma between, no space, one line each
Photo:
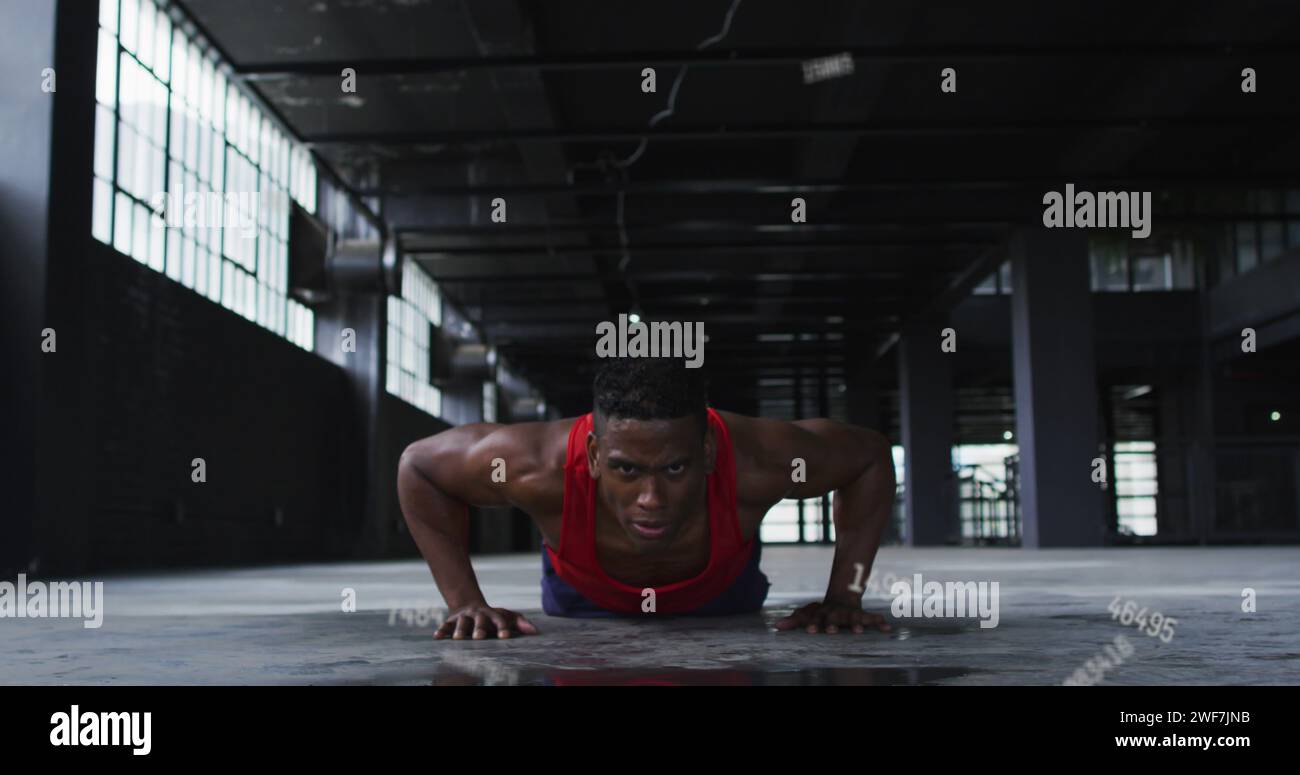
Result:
285,625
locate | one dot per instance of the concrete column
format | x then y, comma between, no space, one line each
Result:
26,131
1203,496
366,315
1173,454
47,143
926,419
1055,388
861,393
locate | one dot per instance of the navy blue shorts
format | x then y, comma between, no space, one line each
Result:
745,595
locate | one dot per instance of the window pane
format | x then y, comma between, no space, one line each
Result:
144,46
192,141
129,25
1184,266
187,262
179,70
215,265
194,78
173,253
127,98
1247,251
159,126
200,269
122,223
102,210
220,89
254,134
126,158
205,94
161,41
227,285
1150,273
108,15
159,165
205,154
1109,267
157,242
140,158
106,69
104,123
213,235
1272,240
140,234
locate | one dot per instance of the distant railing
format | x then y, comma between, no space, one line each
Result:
1255,491
987,507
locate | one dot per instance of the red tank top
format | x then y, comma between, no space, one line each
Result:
576,561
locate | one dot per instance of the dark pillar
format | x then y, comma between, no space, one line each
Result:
1055,389
366,314
861,392
926,419
1173,454
47,143
26,130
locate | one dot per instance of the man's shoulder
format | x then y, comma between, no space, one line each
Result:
540,446
531,455
749,434
759,450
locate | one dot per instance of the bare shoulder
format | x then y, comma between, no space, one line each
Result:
543,446
487,463
762,448
828,453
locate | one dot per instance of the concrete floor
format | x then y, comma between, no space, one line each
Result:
284,625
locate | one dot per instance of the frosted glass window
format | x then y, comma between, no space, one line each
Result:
102,210
173,253
140,234
104,142
214,274
108,15
129,24
162,36
144,44
187,263
169,122
106,69
122,224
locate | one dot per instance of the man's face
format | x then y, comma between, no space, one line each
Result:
650,474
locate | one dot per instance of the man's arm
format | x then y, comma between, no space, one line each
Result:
857,465
438,479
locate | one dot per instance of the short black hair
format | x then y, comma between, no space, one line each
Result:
650,389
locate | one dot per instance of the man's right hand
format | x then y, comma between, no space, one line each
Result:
479,621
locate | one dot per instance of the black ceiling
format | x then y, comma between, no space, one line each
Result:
910,192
